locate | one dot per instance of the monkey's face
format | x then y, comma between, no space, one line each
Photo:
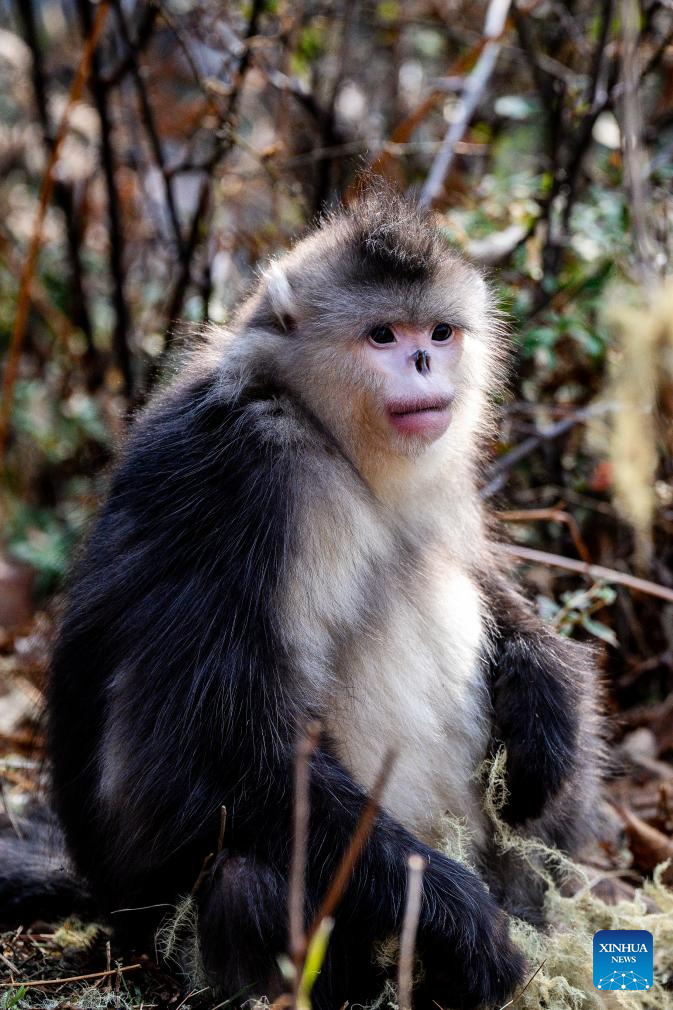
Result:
384,332
415,369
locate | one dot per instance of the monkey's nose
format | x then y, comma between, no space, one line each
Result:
421,360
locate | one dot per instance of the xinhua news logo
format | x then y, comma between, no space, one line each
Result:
623,959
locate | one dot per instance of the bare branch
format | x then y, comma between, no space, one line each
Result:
64,193
590,571
635,161
412,913
495,26
40,983
23,301
224,144
150,127
296,886
143,35
122,327
351,855
498,473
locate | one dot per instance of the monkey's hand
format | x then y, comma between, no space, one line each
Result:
536,705
468,957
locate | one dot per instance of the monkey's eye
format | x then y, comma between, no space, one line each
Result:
381,335
442,332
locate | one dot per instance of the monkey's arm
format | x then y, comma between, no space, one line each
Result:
540,685
172,662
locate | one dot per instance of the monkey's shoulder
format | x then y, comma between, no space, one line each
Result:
207,478
197,434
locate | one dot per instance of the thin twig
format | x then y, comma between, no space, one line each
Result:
223,146
191,995
555,515
142,908
23,300
520,994
223,828
122,326
412,911
143,33
184,45
635,160
73,978
296,889
64,193
150,126
495,26
594,572
498,473
351,855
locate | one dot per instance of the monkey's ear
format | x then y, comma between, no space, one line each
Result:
281,297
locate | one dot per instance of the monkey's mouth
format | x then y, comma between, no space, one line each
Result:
428,416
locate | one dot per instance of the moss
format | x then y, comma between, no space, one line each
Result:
565,949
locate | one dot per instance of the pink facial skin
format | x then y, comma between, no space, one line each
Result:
418,375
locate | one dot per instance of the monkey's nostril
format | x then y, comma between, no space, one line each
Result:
422,362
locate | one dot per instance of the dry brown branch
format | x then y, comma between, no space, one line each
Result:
357,843
24,299
590,571
635,161
56,320
121,330
39,983
494,28
498,473
412,911
149,123
296,887
555,515
223,146
520,994
65,197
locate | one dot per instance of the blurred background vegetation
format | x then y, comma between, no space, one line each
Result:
209,135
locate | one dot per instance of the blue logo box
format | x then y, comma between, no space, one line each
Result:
623,959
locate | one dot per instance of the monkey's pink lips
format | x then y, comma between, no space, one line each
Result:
429,417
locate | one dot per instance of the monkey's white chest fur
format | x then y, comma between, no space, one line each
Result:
415,684
392,659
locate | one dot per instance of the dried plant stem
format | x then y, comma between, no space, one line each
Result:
296,900
412,913
498,472
357,843
39,983
635,160
520,994
591,571
475,84
24,297
555,515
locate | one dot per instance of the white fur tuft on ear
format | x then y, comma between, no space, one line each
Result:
280,292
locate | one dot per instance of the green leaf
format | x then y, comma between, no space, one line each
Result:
13,999
599,630
315,957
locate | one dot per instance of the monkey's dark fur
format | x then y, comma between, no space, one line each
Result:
186,667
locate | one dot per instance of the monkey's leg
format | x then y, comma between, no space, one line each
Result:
242,912
242,929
